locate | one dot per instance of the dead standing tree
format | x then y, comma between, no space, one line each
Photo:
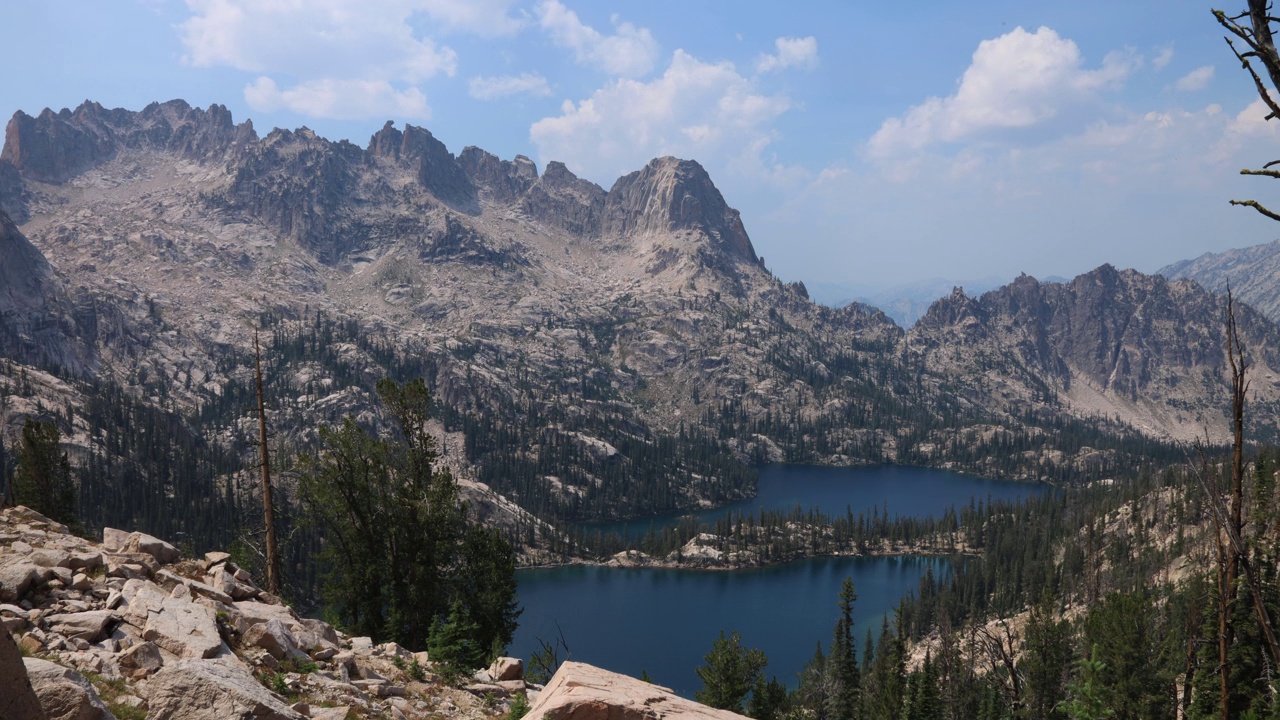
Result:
268,507
1253,29
1233,551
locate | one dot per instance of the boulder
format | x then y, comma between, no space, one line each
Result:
276,639
583,692
322,629
333,713
88,626
256,612
16,579
64,693
19,700
120,542
184,628
51,558
141,659
214,557
507,668
113,540
211,690
21,514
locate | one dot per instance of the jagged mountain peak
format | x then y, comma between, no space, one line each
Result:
670,194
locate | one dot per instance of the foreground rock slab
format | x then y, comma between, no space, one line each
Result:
64,693
17,701
211,690
584,692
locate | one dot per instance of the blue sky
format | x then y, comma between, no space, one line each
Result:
865,143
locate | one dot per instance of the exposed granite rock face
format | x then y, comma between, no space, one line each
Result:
51,148
300,185
671,195
55,147
1111,342
37,323
562,200
1253,274
501,181
13,201
431,162
583,692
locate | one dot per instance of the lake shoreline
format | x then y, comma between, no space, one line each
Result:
632,559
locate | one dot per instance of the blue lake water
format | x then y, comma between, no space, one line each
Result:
664,621
895,489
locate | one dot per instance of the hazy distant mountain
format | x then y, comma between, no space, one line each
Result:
904,303
1254,274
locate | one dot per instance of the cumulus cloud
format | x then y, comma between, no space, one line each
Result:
700,110
629,52
492,88
1163,57
1017,80
791,52
344,58
1197,79
486,18
339,99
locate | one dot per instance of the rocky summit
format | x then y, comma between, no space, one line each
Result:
592,352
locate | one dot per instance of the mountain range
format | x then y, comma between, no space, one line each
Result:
592,352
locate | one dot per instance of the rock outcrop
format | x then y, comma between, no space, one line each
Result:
1110,342
37,323
157,635
671,195
583,692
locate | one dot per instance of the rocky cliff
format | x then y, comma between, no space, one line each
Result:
1109,343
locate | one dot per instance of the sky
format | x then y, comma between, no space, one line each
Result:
866,144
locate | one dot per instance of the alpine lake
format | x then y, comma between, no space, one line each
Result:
663,621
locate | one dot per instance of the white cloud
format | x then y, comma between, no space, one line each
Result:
486,18
341,58
1197,79
792,52
630,52
699,110
1163,57
492,88
327,38
1017,80
339,99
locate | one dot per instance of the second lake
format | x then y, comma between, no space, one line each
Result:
663,621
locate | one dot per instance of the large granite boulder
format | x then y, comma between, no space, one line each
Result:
18,701
211,690
64,693
584,692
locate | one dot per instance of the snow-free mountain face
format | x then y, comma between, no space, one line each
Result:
1253,273
593,351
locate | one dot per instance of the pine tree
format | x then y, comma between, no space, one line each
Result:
843,663
42,480
730,672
